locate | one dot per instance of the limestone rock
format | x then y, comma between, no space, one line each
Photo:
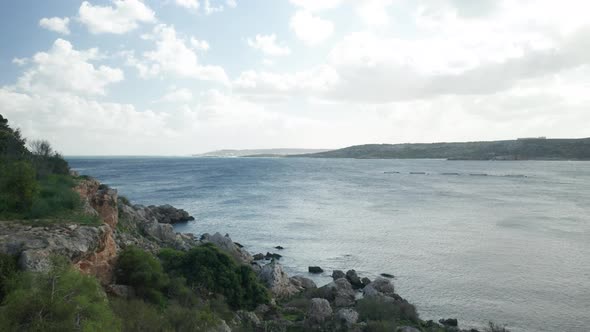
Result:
354,279
315,269
273,276
337,274
347,316
340,292
319,311
304,282
379,287
226,244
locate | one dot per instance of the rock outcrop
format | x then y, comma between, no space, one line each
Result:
319,311
339,292
380,287
277,281
226,244
93,248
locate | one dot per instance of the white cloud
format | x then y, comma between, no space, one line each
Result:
125,16
172,56
210,9
231,3
56,24
268,45
311,29
178,96
199,45
317,5
374,12
189,4
20,61
63,68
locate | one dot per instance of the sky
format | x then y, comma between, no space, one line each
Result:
178,77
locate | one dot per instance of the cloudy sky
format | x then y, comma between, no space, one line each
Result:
174,77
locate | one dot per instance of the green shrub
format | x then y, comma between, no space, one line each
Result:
179,318
137,315
18,187
144,272
8,269
205,267
59,300
381,326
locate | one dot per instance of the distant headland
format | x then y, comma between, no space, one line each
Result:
538,148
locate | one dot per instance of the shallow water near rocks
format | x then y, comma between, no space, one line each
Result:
475,240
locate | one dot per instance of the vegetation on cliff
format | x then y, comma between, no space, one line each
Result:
35,182
521,149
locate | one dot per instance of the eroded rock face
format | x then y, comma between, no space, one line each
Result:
142,229
319,311
303,282
379,287
340,292
168,214
278,282
347,316
88,246
226,244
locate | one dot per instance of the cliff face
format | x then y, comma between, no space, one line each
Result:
93,249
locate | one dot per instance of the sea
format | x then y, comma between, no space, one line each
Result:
502,241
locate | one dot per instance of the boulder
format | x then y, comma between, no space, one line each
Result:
258,257
271,256
279,248
354,279
340,292
379,287
246,319
304,283
365,281
347,317
168,214
226,244
387,275
337,274
273,276
319,311
449,322
315,269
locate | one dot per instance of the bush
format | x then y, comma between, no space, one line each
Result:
144,273
59,300
18,187
207,268
137,315
8,269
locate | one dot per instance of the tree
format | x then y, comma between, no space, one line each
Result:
144,272
18,186
59,300
12,144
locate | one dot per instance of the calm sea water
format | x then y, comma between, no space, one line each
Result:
512,246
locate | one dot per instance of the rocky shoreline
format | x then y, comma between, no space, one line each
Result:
93,250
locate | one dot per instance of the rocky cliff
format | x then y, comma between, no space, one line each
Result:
93,248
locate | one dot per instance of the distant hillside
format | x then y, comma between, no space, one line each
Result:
521,149
258,152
